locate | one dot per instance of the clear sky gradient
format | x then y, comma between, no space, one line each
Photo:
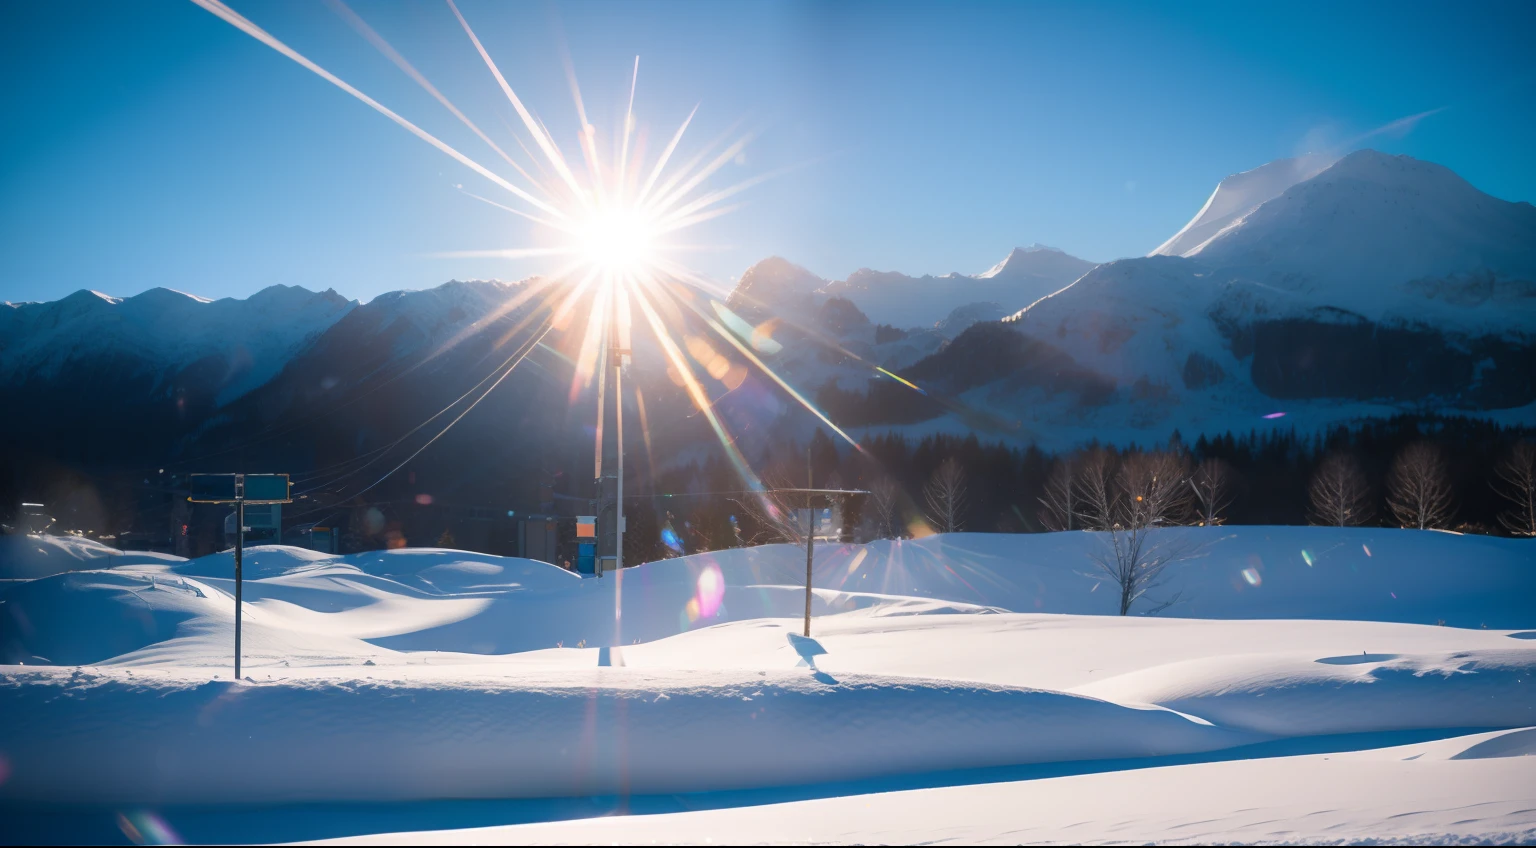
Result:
149,143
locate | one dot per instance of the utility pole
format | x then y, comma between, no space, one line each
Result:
618,415
239,555
238,489
810,536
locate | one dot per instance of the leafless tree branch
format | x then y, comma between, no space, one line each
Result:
1419,488
1515,481
1212,484
1339,493
945,496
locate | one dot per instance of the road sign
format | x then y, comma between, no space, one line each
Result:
266,488
251,488
215,488
240,489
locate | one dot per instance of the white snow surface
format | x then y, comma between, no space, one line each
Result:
421,674
1240,194
1467,790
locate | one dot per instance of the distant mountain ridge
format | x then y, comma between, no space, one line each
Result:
165,331
1354,287
899,300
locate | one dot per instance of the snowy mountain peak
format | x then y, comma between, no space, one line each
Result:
1038,260
1387,236
1238,195
774,282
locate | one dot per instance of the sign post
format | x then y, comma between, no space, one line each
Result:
240,489
810,529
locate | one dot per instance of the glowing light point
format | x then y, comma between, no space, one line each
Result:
617,241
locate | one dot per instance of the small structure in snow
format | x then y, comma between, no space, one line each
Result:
806,647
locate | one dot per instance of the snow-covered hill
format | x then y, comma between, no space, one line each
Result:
404,676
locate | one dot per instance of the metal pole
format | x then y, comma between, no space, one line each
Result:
618,493
618,413
239,552
810,539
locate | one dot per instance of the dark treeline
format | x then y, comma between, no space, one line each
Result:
1271,481
993,487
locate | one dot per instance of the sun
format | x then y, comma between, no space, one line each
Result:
618,242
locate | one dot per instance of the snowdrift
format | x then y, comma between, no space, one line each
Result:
419,674
571,734
438,600
25,557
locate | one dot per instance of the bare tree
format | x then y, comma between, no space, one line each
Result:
1212,484
1059,507
1339,493
945,496
1516,482
1096,490
1419,487
880,508
1152,490
1136,558
1147,491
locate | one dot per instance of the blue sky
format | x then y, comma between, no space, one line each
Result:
150,143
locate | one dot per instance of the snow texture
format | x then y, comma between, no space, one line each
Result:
421,674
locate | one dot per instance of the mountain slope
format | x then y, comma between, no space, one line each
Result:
893,298
1380,278
1238,195
165,331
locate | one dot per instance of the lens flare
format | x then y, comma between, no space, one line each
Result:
612,230
708,595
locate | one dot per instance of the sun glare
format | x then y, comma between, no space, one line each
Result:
619,242
612,211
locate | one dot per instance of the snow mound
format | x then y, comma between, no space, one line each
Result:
1518,743
1294,695
87,617
539,737
452,572
304,604
25,557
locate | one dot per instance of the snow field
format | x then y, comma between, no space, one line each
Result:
1447,792
422,674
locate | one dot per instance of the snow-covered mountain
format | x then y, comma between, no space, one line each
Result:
235,344
1380,280
1362,286
1238,195
777,286
1026,275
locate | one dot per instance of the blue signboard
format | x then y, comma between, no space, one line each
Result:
271,488
214,488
